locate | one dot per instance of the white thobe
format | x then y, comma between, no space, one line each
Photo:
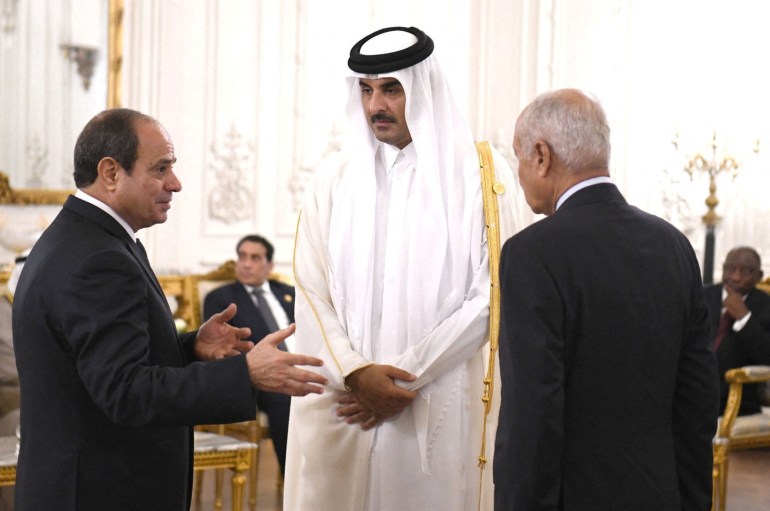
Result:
425,458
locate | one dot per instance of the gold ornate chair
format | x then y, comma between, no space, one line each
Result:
254,430
745,432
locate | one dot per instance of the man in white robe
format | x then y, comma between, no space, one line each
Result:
393,287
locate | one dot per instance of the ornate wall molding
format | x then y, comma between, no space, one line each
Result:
231,199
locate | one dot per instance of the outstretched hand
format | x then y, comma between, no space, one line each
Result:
218,339
273,370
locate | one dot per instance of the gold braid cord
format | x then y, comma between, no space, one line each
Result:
489,189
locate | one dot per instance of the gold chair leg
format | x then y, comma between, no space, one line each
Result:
723,485
198,484
254,437
719,476
219,477
239,480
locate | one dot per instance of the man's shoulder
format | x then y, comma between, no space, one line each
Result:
759,297
282,287
222,291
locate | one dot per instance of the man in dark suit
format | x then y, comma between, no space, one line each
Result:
109,390
254,265
740,321
609,385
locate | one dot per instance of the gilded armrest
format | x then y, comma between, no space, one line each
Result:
736,378
748,374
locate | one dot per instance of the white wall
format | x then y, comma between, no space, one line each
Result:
252,94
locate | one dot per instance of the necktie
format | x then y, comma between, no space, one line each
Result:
725,323
142,251
267,315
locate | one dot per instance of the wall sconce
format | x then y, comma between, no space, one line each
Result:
85,58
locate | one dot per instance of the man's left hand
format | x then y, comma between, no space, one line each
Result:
354,412
218,339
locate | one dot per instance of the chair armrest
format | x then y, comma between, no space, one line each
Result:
748,374
736,378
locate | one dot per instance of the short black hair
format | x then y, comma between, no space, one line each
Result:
256,238
751,251
111,133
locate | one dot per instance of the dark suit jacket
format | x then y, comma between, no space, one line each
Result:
108,391
275,405
248,315
609,386
749,346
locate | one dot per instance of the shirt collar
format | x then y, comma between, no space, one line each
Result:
388,154
80,194
265,287
579,186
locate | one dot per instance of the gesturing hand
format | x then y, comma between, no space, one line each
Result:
273,370
217,339
375,389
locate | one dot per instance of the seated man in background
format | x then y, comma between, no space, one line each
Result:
264,306
740,321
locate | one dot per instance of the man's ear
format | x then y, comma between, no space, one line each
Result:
543,155
107,172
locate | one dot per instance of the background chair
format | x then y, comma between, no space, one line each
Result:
254,430
744,432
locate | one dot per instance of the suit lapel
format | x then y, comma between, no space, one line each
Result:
141,256
285,299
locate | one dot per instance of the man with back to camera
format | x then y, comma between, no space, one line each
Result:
609,385
740,322
109,390
393,279
264,306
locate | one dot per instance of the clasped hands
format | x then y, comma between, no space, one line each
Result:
374,395
270,369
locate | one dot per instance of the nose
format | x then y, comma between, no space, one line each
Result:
376,103
173,184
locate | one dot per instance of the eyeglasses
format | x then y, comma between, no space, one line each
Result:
744,271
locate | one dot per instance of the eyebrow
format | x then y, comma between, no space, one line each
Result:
384,85
164,161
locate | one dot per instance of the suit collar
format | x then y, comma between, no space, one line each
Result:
96,214
579,186
602,192
80,194
87,210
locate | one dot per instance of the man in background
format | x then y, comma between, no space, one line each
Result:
264,306
609,385
109,390
392,271
740,322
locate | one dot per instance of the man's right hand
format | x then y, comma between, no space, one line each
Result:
734,304
273,370
375,388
